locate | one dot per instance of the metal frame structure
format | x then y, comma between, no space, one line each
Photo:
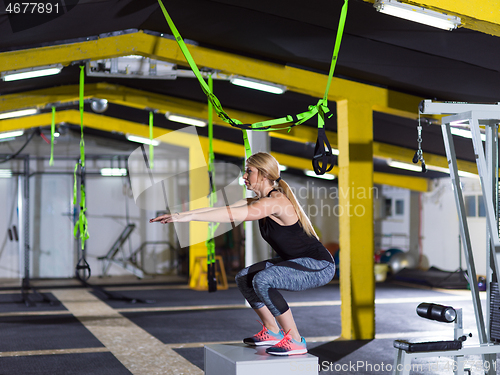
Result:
23,201
475,116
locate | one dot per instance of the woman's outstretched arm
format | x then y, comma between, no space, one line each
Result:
163,218
248,210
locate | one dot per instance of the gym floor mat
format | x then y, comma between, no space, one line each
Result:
14,303
41,332
64,364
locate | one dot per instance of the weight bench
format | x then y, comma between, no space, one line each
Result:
407,350
126,262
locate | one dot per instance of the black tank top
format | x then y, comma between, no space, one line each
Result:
291,241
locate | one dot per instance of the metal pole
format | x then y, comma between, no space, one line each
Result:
26,229
492,163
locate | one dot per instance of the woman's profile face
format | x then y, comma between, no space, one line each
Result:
251,177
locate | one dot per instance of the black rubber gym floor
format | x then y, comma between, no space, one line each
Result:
67,364
44,332
12,302
183,317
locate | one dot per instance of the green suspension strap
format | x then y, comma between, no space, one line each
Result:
52,131
212,227
323,151
81,226
151,148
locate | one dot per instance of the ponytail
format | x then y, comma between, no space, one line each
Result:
303,219
269,167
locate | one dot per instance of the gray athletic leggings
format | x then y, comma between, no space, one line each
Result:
260,282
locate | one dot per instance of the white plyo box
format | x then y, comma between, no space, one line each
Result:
241,359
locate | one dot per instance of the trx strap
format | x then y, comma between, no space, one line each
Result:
323,154
212,227
52,130
81,225
151,149
323,151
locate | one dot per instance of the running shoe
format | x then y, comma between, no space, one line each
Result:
288,346
264,337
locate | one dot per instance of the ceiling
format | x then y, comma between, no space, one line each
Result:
378,50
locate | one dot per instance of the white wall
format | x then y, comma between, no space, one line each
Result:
51,226
440,227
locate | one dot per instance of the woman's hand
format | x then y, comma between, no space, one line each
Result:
172,217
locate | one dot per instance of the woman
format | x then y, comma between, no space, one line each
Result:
302,262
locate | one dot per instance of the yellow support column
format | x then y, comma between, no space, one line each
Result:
357,281
198,198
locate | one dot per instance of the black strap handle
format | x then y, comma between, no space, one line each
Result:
323,156
82,265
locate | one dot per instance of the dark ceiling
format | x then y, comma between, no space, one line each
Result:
377,49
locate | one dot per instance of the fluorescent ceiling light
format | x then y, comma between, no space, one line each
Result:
283,168
12,134
258,85
418,168
335,151
417,14
446,170
32,72
20,113
407,166
465,133
147,141
5,173
185,120
467,174
113,172
323,176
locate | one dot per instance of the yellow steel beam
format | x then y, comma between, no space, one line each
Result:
298,80
111,124
144,100
483,16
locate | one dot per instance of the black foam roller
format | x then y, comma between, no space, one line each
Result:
440,313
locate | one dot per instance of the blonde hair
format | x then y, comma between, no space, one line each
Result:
268,166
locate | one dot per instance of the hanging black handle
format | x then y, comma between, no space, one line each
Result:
82,265
211,278
323,156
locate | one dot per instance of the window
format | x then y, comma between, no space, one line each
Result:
481,207
388,207
400,207
470,205
474,206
